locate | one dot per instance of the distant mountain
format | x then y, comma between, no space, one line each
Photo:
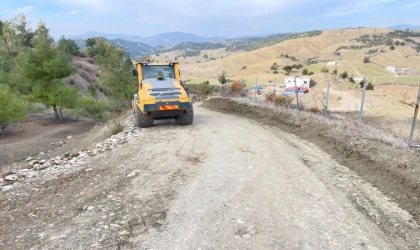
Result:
404,27
134,49
91,34
197,46
170,38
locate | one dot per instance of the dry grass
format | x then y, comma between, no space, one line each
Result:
116,127
344,127
314,109
236,86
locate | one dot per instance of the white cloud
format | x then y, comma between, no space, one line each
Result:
25,9
73,12
58,13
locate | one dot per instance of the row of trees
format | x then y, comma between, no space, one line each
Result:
345,76
286,68
33,68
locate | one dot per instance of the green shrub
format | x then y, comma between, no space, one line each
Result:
94,109
92,90
287,68
304,72
12,108
274,66
344,75
204,88
370,86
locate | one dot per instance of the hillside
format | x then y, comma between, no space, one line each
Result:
86,78
320,49
260,42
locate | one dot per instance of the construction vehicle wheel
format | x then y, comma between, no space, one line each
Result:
187,118
193,98
142,120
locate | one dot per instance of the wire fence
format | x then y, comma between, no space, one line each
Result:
391,108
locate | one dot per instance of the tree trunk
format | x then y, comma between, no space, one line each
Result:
57,116
3,128
61,113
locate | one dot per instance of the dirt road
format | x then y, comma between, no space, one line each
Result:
223,183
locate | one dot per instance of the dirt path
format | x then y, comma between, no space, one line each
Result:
37,137
223,183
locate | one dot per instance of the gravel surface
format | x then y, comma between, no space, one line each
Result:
223,183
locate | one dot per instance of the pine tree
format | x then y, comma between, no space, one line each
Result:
44,66
222,77
116,67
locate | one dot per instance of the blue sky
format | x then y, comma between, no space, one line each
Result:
227,18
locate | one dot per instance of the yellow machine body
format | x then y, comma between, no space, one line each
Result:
161,93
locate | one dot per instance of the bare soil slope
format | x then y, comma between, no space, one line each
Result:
38,135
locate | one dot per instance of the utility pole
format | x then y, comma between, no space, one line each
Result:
256,84
326,102
274,86
363,103
297,94
413,126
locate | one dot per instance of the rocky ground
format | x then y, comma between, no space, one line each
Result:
223,183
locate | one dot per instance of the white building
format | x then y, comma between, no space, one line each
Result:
391,68
332,63
358,79
300,82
